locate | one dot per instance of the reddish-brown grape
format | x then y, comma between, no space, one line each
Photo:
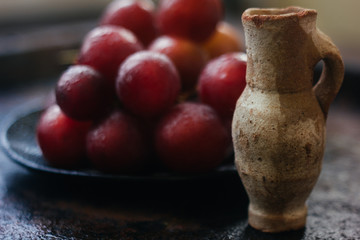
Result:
61,139
82,93
116,145
135,15
188,57
148,83
106,47
190,138
195,20
225,39
222,81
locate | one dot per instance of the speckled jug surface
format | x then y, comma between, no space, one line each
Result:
279,122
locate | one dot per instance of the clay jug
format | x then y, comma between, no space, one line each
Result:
279,122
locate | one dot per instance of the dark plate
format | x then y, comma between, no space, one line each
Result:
18,141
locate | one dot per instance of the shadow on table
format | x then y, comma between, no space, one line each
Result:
177,207
214,208
253,234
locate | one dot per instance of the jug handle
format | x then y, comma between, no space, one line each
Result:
332,74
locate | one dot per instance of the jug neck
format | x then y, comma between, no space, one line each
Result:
280,49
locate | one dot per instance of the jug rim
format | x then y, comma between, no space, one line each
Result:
261,15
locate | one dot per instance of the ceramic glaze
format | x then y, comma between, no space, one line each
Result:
279,122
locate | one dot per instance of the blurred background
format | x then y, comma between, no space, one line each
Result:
39,38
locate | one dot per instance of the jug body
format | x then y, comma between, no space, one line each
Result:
279,147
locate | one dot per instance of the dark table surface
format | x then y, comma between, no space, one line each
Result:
44,206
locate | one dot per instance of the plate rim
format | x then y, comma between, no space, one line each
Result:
37,105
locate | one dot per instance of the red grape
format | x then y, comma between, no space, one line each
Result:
192,19
106,47
190,138
61,139
222,81
148,83
116,144
135,15
188,57
82,93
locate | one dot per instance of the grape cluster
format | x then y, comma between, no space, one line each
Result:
152,86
